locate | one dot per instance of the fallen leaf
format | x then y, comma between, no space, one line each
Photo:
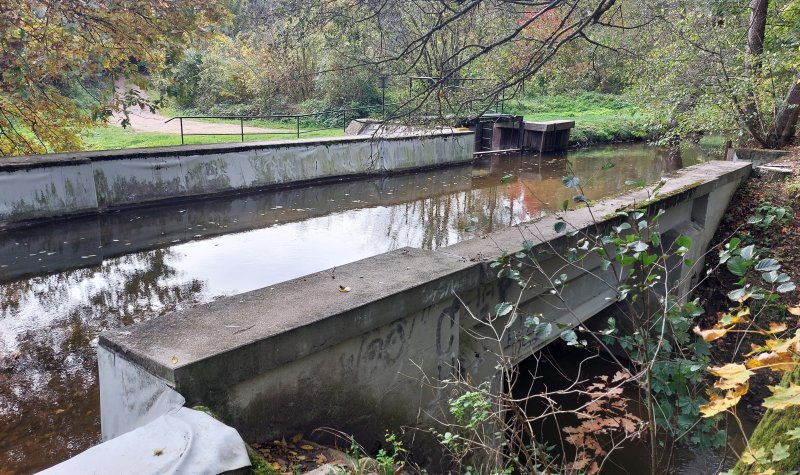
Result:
776,327
342,288
297,438
158,452
307,447
794,310
321,459
174,359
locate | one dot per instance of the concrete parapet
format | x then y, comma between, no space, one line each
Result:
41,187
356,348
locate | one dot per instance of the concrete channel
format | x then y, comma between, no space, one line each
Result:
302,354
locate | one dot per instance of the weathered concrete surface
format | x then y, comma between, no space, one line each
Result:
58,185
757,156
302,355
89,240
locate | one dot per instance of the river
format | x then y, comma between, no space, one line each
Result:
62,284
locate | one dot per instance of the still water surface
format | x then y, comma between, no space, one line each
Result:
61,285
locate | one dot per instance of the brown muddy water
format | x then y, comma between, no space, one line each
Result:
64,283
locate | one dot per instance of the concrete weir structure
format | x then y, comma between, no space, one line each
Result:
43,187
304,354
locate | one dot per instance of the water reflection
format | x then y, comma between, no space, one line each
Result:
69,281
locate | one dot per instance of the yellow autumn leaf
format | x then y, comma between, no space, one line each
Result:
732,375
720,403
782,345
794,310
297,438
711,334
174,360
769,471
307,447
783,397
772,360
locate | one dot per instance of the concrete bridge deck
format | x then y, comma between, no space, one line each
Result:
303,354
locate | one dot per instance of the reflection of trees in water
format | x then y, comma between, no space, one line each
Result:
49,401
438,221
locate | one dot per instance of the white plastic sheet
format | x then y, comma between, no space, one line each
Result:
181,442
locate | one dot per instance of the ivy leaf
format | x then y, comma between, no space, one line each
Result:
783,397
559,226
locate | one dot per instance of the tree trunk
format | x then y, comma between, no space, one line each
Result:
758,27
786,120
755,47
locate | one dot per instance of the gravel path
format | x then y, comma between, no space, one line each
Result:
146,121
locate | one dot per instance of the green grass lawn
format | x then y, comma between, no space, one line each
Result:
598,117
114,138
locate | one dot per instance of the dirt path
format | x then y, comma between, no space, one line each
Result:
146,121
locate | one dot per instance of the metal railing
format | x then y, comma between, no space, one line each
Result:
338,117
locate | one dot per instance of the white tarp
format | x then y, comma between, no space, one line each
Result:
184,441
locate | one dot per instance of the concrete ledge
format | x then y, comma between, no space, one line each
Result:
302,355
230,340
42,187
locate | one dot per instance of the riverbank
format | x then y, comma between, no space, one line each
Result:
776,200
599,119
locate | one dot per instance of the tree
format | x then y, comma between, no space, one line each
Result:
723,66
466,54
54,51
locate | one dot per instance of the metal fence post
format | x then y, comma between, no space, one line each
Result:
241,124
298,126
181,121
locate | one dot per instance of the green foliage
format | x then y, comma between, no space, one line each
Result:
599,118
472,408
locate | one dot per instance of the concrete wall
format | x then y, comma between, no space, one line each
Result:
87,241
53,186
302,355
